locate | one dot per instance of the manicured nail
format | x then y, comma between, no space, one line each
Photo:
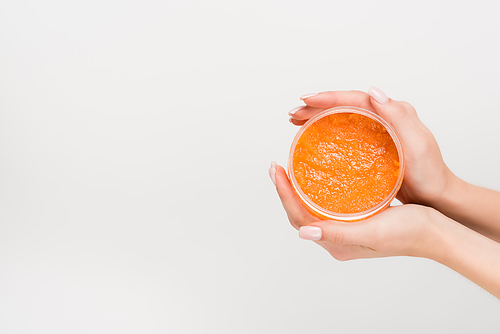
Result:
272,172
303,97
310,233
294,110
378,95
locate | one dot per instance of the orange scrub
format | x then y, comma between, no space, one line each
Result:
346,163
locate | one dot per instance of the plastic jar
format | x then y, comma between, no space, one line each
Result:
323,213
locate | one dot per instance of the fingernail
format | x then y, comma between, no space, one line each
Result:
378,95
294,110
272,172
310,233
303,97
290,120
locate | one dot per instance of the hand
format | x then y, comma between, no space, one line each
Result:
426,175
402,230
410,230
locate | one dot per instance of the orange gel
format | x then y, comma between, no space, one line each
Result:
346,163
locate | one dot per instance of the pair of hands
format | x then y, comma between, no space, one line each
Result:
401,230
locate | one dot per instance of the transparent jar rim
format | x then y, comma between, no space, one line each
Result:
347,216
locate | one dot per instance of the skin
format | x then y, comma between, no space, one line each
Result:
442,217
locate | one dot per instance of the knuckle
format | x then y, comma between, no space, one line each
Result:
294,222
400,110
298,221
335,237
406,105
425,146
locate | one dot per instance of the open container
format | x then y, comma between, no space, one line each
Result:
323,213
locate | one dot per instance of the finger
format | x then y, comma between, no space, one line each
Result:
401,115
403,195
348,252
339,98
340,251
304,112
400,197
338,233
297,213
395,112
296,122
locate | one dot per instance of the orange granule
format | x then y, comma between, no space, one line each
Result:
346,163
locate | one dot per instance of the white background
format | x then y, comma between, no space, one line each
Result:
135,141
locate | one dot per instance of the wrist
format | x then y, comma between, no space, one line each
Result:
449,197
446,238
469,253
427,240
471,206
435,243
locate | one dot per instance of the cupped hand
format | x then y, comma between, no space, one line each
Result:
407,230
426,175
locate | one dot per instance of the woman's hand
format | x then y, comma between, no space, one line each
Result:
427,179
401,230
426,175
410,230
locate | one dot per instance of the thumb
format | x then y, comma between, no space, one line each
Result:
401,115
394,112
338,233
